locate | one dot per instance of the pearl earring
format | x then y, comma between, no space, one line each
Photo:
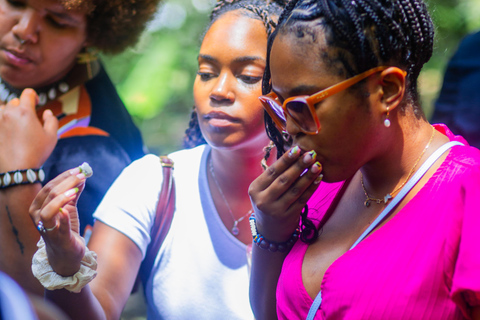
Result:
386,122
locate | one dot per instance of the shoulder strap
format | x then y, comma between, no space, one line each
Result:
163,218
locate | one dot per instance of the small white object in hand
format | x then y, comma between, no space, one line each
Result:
86,169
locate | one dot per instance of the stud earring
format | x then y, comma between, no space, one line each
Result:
386,122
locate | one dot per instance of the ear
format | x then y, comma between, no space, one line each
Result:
392,82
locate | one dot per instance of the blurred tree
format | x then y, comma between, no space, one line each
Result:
453,20
155,78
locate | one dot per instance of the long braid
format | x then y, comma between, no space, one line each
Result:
193,134
257,9
369,33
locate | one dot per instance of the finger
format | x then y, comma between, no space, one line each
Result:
29,98
63,182
50,123
300,193
276,169
290,180
50,213
15,102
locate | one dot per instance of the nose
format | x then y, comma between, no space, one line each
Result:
291,128
221,91
28,26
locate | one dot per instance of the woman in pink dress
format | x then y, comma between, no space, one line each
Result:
392,232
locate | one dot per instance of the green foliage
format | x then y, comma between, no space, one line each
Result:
155,78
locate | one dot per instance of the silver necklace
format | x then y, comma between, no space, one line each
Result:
235,230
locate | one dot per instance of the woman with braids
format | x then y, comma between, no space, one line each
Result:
200,270
48,46
392,231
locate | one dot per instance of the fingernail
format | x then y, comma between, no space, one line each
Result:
318,179
81,176
75,171
71,192
309,156
294,151
61,210
86,169
316,167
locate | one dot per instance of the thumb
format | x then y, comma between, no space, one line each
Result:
64,222
50,123
29,97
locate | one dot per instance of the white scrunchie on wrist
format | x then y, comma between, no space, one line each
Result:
42,270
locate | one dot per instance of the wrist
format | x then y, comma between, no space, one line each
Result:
272,246
51,280
21,176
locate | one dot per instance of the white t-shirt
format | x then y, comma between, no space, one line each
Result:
200,271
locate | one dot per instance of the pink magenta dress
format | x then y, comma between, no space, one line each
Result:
422,264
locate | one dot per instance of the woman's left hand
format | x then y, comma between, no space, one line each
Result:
55,209
24,141
280,193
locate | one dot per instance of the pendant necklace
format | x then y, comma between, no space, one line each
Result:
235,230
389,196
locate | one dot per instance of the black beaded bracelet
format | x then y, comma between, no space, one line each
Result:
272,246
24,176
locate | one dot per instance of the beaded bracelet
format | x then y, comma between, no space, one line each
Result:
17,177
271,246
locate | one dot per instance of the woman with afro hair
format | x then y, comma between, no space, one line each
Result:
71,112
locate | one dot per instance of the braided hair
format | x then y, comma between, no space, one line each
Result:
265,11
369,33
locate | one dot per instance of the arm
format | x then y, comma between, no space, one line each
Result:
278,197
118,257
24,143
105,297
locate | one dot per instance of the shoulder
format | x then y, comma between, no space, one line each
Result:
188,157
466,156
149,163
188,153
460,172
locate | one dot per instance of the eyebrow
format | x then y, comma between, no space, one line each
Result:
239,59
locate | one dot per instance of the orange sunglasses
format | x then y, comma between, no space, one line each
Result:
301,109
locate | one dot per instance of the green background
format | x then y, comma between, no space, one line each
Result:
155,78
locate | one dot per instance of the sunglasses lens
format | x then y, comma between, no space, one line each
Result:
300,113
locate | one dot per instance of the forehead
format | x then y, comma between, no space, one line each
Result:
300,59
235,33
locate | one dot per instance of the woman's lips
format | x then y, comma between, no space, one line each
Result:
219,119
17,59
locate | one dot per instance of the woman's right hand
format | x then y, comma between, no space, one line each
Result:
25,141
55,207
279,194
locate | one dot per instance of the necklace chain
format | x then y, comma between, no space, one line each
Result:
389,196
235,230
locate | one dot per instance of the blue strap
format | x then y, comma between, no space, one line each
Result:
408,186
315,306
